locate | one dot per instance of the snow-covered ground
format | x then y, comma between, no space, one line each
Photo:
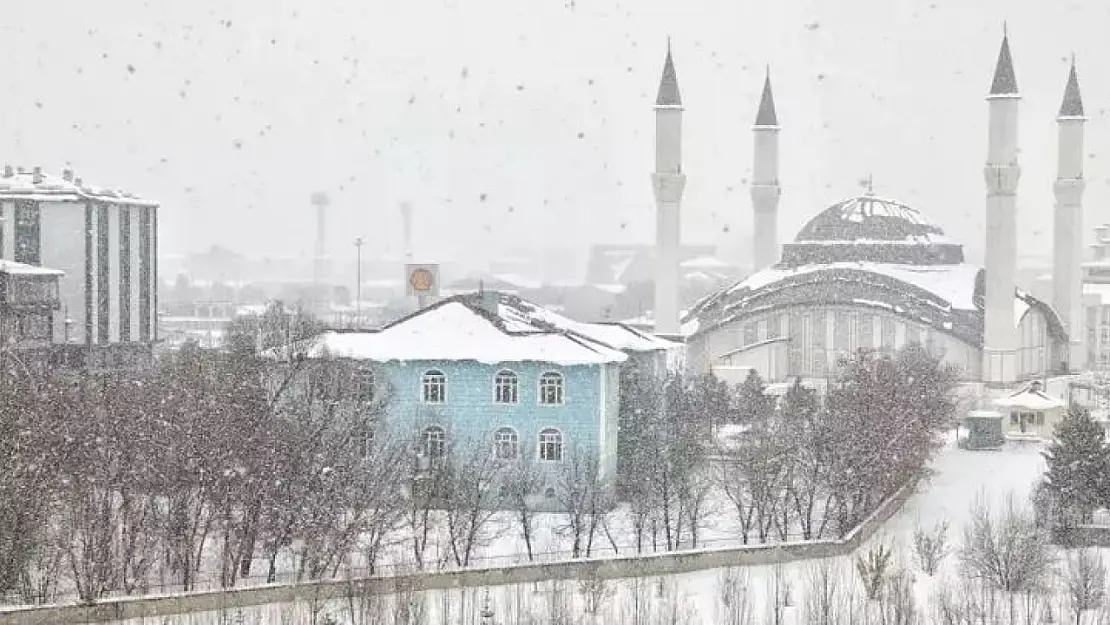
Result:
960,476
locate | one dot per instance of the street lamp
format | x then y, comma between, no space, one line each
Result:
358,281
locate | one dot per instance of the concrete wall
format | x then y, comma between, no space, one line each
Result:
604,568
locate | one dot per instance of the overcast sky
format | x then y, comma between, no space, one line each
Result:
511,124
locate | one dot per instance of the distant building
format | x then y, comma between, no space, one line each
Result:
1096,300
106,243
491,369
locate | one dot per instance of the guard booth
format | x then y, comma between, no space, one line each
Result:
984,430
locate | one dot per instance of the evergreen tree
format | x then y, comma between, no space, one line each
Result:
751,403
1078,464
800,403
712,403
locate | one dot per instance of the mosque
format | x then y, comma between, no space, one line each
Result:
871,272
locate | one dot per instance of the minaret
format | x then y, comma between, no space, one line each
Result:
668,182
1001,175
765,189
1067,257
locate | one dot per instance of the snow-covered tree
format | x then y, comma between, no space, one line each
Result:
750,402
1078,459
1086,582
1007,551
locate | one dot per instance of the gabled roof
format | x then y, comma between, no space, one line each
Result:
467,328
767,117
1030,397
1072,106
1004,82
668,84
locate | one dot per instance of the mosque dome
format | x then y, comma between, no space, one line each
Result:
871,229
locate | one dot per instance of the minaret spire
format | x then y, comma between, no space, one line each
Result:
1005,81
1067,231
1072,105
767,115
668,83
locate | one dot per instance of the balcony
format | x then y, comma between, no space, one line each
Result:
25,287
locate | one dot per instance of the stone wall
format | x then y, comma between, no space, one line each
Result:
606,568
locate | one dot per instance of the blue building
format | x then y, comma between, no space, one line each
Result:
491,369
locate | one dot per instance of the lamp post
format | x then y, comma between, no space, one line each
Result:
358,281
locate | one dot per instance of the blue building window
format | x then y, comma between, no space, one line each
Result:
506,444
364,383
551,389
434,387
505,385
551,445
435,442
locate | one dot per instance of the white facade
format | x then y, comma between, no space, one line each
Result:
104,241
813,339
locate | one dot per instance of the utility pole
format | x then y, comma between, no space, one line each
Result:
358,282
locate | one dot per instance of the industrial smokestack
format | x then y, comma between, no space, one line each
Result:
321,269
406,229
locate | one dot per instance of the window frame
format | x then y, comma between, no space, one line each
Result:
514,440
366,381
513,386
426,383
426,441
561,388
557,440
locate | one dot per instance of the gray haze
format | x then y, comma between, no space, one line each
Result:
233,113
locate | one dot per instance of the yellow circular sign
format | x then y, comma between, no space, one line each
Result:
421,280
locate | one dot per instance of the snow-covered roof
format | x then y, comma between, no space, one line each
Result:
22,269
452,330
705,262
869,218
491,327
614,335
42,187
954,284
945,297
1031,397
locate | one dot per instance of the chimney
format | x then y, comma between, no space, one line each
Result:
77,181
489,300
21,169
36,176
8,171
67,175
1100,250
